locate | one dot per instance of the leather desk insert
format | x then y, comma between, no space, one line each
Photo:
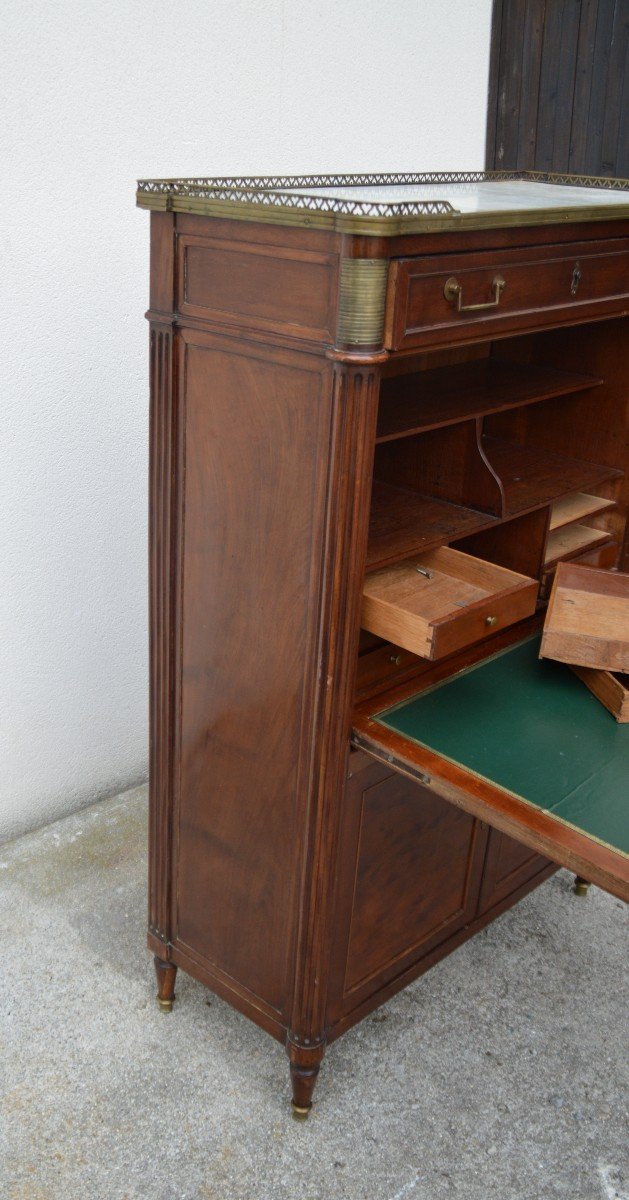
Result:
443,600
530,728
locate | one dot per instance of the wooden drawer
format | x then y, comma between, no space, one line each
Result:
587,623
502,291
382,667
440,601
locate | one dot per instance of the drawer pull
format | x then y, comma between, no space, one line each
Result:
453,293
491,620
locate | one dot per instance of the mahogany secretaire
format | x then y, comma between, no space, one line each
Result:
383,408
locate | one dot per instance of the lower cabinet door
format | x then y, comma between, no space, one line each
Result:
410,878
508,866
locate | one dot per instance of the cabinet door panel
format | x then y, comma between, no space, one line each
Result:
508,865
417,875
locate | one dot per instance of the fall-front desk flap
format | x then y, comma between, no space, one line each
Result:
524,745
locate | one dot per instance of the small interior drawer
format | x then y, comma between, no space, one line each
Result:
443,600
381,667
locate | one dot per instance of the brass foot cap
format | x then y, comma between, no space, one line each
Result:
165,1005
581,887
299,1112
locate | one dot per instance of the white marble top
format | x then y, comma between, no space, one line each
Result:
487,197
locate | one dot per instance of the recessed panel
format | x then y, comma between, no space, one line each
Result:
255,457
413,876
267,287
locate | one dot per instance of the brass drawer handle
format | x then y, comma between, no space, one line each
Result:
453,293
491,621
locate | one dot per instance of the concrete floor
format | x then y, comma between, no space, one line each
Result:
501,1075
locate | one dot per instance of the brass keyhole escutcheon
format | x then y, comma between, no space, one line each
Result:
576,279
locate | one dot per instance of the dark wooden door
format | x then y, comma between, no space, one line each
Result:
559,87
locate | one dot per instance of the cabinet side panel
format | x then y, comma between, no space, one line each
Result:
256,449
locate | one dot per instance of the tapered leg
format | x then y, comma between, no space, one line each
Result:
166,973
304,1069
581,886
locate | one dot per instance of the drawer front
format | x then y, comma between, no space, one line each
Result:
384,666
456,297
463,628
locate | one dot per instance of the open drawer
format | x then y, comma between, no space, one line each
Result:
442,600
523,745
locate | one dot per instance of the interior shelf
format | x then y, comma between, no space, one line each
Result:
577,506
445,395
404,522
532,478
571,540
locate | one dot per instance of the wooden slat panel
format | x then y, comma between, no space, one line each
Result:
601,93
531,72
622,149
615,118
584,75
510,81
556,85
494,74
559,86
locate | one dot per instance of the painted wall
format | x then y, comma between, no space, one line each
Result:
94,96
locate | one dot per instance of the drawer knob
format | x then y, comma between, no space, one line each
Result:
453,292
491,620
396,659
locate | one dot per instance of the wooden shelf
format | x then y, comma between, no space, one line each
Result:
404,522
446,395
572,540
575,507
532,478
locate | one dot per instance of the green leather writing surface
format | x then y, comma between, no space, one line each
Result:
532,727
